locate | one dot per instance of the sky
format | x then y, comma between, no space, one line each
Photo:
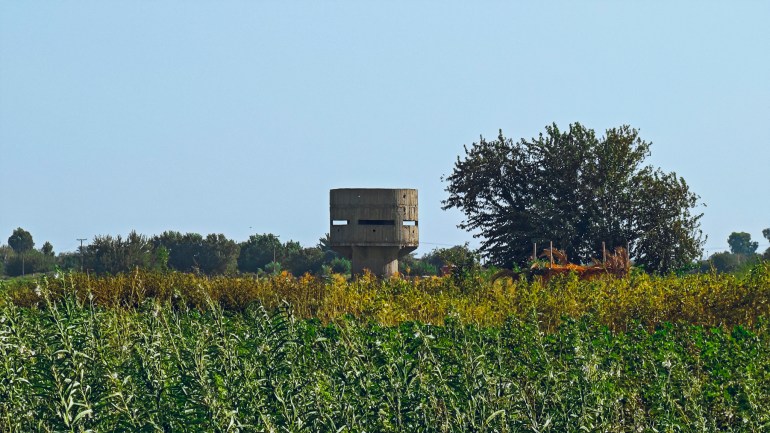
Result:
237,117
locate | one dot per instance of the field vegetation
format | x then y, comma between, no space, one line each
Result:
473,298
153,351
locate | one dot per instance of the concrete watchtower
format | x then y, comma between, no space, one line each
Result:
373,227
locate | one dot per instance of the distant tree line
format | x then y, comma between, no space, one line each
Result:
20,256
742,255
213,254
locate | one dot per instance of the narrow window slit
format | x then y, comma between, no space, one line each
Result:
376,222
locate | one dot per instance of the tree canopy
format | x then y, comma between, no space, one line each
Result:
258,251
47,249
213,254
21,241
576,190
742,255
741,243
108,254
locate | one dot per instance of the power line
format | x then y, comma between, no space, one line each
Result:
728,247
436,243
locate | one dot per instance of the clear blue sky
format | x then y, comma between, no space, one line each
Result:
238,117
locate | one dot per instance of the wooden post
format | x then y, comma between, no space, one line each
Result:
551,250
534,251
604,253
628,252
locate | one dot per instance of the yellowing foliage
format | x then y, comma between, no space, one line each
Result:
707,299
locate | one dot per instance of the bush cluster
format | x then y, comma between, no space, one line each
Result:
702,299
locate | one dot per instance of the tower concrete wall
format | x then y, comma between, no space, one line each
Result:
374,227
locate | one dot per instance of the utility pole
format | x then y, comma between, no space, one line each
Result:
81,253
274,245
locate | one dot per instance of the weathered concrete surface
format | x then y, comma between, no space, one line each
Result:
373,227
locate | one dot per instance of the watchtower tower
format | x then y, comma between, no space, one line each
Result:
373,227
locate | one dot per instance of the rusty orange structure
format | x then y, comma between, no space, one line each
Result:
616,264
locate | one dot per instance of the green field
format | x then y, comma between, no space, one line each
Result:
72,363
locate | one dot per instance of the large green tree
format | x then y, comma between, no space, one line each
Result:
457,257
108,254
183,249
766,234
305,260
214,254
577,190
34,261
219,255
741,243
21,242
47,249
258,251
